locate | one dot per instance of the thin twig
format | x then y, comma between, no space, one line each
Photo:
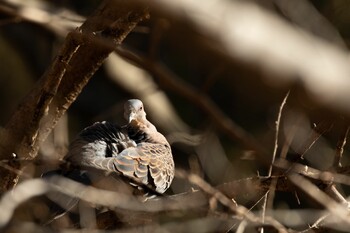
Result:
340,148
317,223
320,129
313,173
232,205
277,129
269,196
333,207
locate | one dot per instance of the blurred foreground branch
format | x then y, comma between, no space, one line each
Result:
247,35
56,20
197,201
188,201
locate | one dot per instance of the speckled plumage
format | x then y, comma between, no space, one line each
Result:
136,150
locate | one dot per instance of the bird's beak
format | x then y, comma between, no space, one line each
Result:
132,117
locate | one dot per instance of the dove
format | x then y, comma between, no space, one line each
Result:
136,151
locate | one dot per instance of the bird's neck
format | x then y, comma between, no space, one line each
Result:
148,130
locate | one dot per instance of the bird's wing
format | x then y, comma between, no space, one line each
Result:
153,164
148,163
102,140
160,164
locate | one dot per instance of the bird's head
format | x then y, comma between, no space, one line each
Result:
134,111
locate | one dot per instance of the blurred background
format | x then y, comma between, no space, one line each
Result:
32,31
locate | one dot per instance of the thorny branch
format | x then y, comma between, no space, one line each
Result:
269,196
241,211
277,130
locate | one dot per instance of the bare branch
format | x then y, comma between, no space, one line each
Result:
278,122
230,203
297,11
260,41
340,147
58,21
333,207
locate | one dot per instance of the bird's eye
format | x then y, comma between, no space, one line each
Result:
141,108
